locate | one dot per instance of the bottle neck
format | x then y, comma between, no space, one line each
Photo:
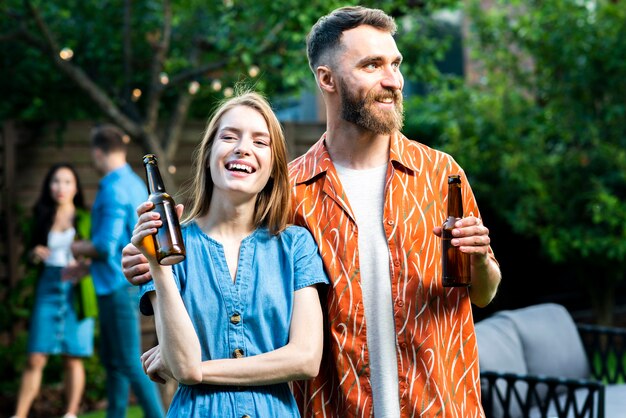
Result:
155,182
455,201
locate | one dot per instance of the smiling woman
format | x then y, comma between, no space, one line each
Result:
227,319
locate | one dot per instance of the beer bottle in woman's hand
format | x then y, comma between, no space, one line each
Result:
168,240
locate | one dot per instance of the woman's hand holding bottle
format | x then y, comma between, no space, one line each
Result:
147,225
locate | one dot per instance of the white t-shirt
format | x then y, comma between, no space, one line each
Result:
59,243
366,194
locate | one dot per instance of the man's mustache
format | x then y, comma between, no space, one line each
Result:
394,94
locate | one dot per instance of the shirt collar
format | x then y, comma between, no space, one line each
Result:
318,159
398,145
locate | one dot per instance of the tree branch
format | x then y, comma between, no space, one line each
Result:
149,140
179,116
160,51
43,27
10,36
128,104
172,139
127,48
79,77
177,123
25,36
194,73
267,41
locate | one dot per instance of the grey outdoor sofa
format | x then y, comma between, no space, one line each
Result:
536,362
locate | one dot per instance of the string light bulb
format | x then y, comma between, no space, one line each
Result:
253,71
136,94
164,79
193,88
66,54
216,85
228,92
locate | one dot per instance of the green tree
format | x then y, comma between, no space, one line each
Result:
544,130
142,64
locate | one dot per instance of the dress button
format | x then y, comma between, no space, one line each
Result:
245,416
390,222
399,303
237,353
235,318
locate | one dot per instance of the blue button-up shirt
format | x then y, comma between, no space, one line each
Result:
113,219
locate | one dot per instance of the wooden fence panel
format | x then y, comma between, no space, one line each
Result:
9,242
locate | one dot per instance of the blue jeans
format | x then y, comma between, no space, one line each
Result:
120,349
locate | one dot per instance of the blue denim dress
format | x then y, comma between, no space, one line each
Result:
54,327
245,318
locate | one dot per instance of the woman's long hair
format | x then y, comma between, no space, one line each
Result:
45,208
272,204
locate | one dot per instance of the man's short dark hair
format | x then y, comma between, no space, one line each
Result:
109,138
325,35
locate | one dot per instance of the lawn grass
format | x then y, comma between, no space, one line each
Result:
133,412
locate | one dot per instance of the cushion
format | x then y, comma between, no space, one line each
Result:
499,346
550,340
500,349
614,404
615,400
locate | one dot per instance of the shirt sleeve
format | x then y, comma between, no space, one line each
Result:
308,267
112,221
145,306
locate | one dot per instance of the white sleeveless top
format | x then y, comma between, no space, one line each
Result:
59,243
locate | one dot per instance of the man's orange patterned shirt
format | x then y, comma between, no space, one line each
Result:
435,342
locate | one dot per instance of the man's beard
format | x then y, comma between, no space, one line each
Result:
362,112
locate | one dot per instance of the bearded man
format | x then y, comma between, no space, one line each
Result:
398,343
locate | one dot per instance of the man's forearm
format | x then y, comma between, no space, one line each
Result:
84,248
486,277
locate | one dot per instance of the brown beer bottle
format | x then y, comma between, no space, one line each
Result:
168,241
455,264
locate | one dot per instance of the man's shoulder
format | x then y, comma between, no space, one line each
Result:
413,152
308,165
414,145
127,184
124,186
309,155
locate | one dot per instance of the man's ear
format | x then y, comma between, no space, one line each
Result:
97,153
326,79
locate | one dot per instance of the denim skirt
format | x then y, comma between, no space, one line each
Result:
54,327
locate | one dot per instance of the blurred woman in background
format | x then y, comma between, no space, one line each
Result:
55,328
